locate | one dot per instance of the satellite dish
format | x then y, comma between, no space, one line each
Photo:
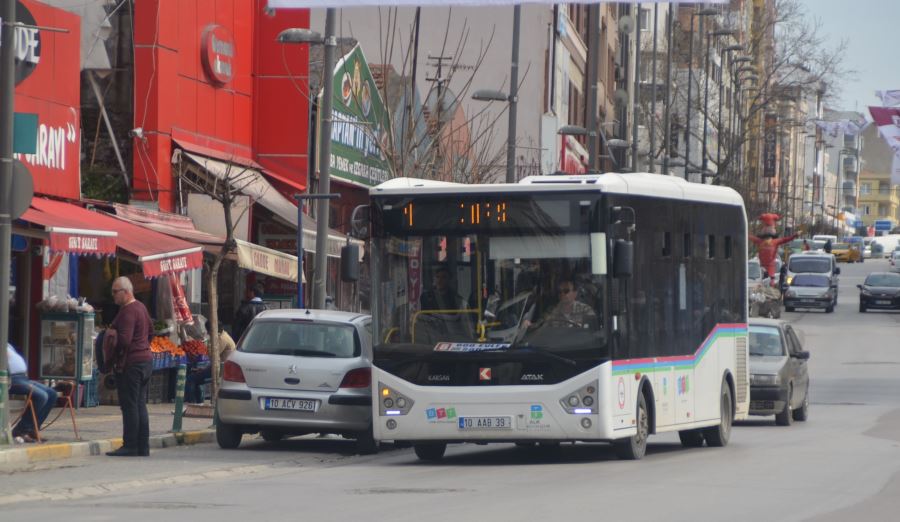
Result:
626,24
621,97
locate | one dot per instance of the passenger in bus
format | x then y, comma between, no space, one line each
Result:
569,312
441,296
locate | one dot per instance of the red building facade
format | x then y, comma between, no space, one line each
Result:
210,78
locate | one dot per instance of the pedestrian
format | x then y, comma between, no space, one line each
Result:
828,247
805,245
249,309
133,329
43,398
198,376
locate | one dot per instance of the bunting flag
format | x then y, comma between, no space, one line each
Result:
295,4
888,121
846,126
889,98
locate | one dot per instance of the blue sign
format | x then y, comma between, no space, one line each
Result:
884,224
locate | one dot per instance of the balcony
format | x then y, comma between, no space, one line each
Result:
882,196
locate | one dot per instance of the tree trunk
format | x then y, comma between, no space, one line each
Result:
212,283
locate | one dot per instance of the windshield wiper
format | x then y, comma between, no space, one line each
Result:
545,353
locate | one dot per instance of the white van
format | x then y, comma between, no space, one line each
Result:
825,237
888,242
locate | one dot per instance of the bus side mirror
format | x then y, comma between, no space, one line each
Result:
623,259
360,222
350,263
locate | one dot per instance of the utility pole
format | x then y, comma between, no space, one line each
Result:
439,80
592,66
667,123
7,106
637,88
324,163
513,97
651,163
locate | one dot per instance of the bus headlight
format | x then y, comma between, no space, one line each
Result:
582,401
392,403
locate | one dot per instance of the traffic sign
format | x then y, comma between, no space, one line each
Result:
22,190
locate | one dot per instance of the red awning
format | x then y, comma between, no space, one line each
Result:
71,229
159,254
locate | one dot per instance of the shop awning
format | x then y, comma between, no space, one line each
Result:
158,254
166,223
267,261
261,191
71,229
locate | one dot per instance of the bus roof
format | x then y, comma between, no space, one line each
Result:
638,184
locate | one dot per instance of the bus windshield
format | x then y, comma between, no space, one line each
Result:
523,283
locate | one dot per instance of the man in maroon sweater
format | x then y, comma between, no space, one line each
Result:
133,329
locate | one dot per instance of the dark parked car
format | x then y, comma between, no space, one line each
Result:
880,290
810,291
779,377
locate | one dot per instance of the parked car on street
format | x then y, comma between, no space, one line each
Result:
810,291
297,372
895,262
779,374
880,290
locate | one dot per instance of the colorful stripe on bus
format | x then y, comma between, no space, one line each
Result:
679,362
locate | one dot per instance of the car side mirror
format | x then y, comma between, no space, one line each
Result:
804,355
859,286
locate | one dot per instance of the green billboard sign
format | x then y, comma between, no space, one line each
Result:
358,123
25,131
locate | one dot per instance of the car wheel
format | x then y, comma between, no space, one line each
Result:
829,309
785,417
228,436
718,436
802,413
788,308
691,438
271,435
862,307
366,443
430,452
634,447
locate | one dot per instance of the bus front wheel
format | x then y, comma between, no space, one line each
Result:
717,436
634,447
430,452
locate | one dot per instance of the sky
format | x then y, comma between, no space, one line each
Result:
868,26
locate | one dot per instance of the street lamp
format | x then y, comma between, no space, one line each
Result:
687,135
611,143
305,36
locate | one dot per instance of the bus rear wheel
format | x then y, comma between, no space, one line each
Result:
717,436
430,452
634,447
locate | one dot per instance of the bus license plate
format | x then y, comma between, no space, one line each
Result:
273,403
485,423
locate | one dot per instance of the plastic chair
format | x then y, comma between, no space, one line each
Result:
65,390
19,406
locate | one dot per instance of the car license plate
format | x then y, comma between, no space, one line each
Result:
485,423
274,403
882,302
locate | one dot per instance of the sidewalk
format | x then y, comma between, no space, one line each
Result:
100,429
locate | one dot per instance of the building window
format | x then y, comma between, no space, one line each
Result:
645,20
865,188
866,210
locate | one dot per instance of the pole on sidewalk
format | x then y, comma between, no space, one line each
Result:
322,209
179,398
7,106
511,176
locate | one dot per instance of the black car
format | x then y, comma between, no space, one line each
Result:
779,376
880,290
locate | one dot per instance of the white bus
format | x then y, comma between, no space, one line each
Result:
599,308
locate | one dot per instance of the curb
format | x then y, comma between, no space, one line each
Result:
49,452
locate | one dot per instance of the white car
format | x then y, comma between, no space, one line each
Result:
296,372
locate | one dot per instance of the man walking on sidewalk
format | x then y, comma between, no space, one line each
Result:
133,328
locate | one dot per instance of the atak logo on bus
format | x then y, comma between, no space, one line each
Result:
217,54
484,374
27,38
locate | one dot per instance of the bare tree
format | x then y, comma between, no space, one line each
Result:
236,182
791,58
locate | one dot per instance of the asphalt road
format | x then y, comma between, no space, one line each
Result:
844,463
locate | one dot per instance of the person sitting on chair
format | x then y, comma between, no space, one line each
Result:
43,398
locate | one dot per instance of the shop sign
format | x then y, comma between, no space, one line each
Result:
217,54
358,127
770,147
27,43
267,261
80,243
173,263
48,72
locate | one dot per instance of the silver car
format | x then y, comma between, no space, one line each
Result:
297,372
779,374
810,291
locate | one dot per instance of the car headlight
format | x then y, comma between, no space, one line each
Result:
790,293
763,379
789,279
866,293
